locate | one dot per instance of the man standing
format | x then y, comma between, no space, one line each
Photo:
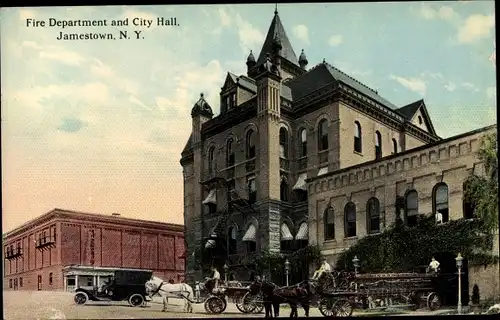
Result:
325,267
197,291
434,265
216,277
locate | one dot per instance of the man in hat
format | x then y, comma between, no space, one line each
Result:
325,267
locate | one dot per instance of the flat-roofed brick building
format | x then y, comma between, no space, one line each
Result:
64,249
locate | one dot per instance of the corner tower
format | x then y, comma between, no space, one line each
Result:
288,59
192,163
268,81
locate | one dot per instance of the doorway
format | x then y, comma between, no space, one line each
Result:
39,283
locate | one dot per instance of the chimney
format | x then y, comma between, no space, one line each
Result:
115,214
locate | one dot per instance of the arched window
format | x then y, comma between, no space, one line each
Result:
229,154
394,146
283,190
231,240
440,203
411,208
357,137
378,145
329,220
211,160
250,144
373,215
468,203
303,143
350,220
323,135
283,143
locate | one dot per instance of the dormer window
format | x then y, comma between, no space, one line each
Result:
231,100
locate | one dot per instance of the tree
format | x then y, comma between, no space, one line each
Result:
482,191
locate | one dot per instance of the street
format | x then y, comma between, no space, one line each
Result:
60,305
26,305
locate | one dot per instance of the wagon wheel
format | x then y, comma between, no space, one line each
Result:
136,300
433,301
343,308
215,305
81,298
249,303
326,307
258,302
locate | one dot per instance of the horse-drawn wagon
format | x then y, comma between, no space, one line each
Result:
236,292
381,291
126,284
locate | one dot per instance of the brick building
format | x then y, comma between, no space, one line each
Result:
291,142
63,249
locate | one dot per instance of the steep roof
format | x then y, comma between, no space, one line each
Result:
276,29
324,74
409,110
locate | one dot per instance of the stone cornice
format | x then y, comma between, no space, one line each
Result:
450,148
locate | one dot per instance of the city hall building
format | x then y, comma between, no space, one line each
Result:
304,155
63,249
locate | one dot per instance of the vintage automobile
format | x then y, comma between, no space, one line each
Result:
126,285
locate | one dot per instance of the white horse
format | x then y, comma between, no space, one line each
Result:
184,291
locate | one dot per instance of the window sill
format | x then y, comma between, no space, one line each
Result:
330,241
351,238
374,233
358,153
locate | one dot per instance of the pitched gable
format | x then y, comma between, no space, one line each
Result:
230,81
416,113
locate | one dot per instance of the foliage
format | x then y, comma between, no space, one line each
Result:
402,249
299,261
482,191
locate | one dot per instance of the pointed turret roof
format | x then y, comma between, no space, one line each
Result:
276,30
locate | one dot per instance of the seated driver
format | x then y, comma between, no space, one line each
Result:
325,268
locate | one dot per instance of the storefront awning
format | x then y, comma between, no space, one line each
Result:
251,233
286,235
303,233
301,182
323,171
211,198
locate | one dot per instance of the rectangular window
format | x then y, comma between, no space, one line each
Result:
251,246
20,282
50,278
71,282
252,190
10,283
357,144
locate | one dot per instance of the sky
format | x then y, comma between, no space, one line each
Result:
99,125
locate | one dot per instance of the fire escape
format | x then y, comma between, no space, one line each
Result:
215,181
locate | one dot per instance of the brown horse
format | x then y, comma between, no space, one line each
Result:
273,296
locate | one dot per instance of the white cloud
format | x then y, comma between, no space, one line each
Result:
250,37
225,19
413,84
476,27
450,86
491,93
335,40
300,31
443,13
469,86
